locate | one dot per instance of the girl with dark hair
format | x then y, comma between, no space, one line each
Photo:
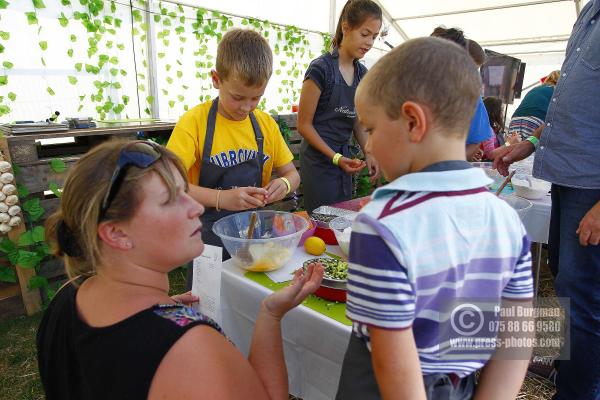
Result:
326,115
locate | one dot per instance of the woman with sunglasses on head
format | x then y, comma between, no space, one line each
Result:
326,115
126,220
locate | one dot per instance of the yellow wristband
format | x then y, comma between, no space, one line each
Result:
217,202
336,158
287,183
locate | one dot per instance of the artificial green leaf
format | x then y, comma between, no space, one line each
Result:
43,61
7,245
3,4
180,98
55,189
123,72
31,18
78,67
38,234
161,55
169,79
121,46
125,99
156,18
4,35
28,259
57,165
118,108
33,208
137,16
38,4
113,60
73,38
50,91
179,74
63,20
26,239
114,71
150,99
171,103
12,96
8,274
80,107
72,80
65,2
70,52
7,64
22,190
142,87
37,282
43,45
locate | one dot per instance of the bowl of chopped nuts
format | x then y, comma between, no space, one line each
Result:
335,278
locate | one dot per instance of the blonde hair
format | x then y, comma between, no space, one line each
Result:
246,55
87,183
430,71
552,78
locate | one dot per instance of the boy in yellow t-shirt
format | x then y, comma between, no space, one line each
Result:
227,146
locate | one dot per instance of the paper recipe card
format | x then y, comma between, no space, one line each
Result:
206,283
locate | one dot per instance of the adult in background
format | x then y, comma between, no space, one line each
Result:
567,154
531,113
480,129
326,114
126,220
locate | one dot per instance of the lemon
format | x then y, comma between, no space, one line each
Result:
315,246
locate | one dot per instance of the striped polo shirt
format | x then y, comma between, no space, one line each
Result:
427,239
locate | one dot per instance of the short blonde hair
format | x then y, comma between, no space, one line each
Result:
84,190
245,55
430,71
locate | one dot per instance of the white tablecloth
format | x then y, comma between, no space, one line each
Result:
314,345
537,219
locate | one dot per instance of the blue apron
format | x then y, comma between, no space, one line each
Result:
212,176
324,183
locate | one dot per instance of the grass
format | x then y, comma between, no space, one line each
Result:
19,378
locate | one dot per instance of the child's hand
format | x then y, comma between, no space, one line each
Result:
351,165
276,190
303,284
186,298
243,198
373,166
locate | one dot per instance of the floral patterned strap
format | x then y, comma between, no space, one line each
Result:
184,315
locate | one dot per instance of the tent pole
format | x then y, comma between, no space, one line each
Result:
332,19
389,17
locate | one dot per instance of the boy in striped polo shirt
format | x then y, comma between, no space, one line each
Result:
432,236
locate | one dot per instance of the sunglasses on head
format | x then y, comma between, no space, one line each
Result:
140,154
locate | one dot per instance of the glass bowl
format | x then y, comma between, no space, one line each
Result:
276,235
520,204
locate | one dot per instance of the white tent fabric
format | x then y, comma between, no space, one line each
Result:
535,31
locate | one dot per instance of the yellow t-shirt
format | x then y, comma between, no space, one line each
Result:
233,142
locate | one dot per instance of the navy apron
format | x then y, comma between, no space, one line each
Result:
212,176
322,182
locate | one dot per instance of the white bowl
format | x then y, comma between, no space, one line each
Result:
520,204
529,187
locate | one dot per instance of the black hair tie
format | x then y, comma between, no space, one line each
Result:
67,241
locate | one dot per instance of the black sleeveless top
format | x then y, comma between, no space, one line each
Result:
77,361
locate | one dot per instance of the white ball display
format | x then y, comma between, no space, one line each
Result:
14,221
14,210
7,177
9,189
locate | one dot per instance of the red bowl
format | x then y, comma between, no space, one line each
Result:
326,234
331,294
